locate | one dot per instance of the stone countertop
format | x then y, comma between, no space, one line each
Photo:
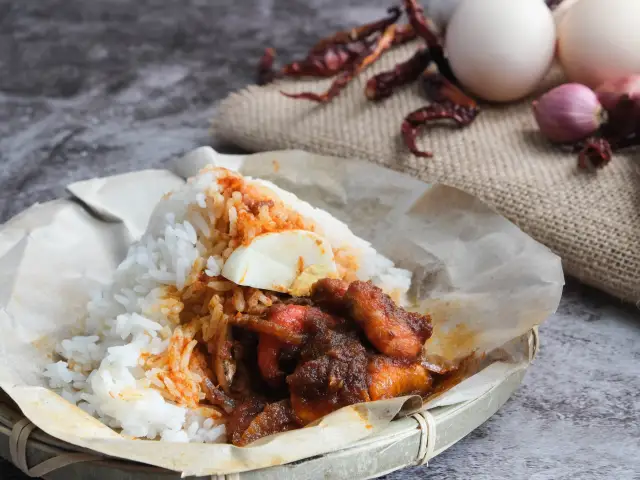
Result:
109,86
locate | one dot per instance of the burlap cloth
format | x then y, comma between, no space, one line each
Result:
591,220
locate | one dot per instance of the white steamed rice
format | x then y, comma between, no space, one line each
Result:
134,316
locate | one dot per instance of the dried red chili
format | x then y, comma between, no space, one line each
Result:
420,24
330,55
450,103
348,53
382,85
622,130
265,67
366,59
595,153
358,33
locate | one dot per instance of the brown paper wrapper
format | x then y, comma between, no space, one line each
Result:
484,280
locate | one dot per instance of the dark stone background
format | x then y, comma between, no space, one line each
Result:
107,86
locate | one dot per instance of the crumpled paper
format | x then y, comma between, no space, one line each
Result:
483,280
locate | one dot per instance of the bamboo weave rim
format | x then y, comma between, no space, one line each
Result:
20,437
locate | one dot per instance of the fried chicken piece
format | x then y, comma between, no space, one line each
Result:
292,318
263,325
285,326
391,329
335,367
307,411
241,418
302,301
215,396
336,371
289,316
224,365
269,352
329,292
390,378
275,418
247,379
332,373
315,319
298,319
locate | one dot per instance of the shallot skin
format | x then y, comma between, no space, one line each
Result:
610,92
568,113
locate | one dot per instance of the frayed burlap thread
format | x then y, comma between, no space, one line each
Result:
591,220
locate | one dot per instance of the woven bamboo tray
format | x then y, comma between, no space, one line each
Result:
407,441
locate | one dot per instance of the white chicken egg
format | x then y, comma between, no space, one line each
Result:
440,11
599,40
288,262
500,50
561,10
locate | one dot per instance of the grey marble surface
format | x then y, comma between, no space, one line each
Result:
109,86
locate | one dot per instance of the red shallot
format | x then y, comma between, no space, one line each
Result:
596,123
568,113
610,92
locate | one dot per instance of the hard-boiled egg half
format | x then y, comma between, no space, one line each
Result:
289,262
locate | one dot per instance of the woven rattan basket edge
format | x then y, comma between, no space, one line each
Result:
397,447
